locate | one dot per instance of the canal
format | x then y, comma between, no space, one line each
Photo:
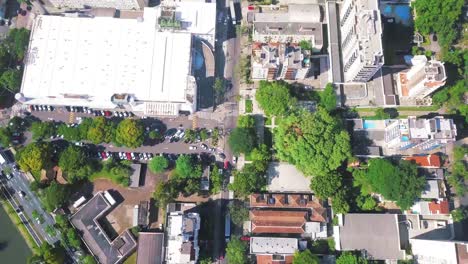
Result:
13,248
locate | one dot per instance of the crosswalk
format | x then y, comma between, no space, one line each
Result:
71,118
195,122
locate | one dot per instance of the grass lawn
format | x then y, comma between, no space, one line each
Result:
248,106
418,108
267,120
132,259
103,174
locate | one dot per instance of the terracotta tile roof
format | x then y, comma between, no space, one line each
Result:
441,207
285,222
284,200
430,161
268,259
319,215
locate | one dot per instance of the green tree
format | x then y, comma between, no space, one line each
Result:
206,260
247,181
11,80
186,168
129,133
61,221
305,257
54,196
366,203
41,130
101,130
260,157
328,98
190,135
441,17
34,157
246,121
239,212
219,88
73,238
274,98
340,203
18,40
381,114
48,254
154,135
203,134
350,258
74,162
164,193
236,251
399,182
325,185
69,133
242,140
158,164
315,142
88,259
459,214
459,173
5,136
216,179
305,45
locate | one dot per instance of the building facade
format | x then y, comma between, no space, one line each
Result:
422,79
118,4
361,39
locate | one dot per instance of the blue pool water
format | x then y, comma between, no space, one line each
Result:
404,138
367,124
401,13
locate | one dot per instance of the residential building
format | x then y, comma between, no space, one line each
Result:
150,248
118,4
377,235
273,249
434,189
87,221
394,136
143,64
279,61
297,23
422,79
435,207
361,39
282,213
427,251
285,177
182,235
431,161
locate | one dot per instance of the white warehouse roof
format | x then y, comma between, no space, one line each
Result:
95,58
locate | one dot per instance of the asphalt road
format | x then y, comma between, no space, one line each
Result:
30,203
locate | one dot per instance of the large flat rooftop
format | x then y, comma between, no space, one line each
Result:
95,58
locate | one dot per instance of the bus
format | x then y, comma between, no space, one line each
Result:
227,227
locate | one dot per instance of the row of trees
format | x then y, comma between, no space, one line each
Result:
459,173
128,132
12,52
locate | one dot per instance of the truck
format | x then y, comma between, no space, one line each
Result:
227,227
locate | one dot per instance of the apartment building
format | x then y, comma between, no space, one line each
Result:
118,4
422,79
395,136
361,44
279,61
182,235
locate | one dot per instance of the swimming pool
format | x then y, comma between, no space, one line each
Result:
401,13
404,138
368,124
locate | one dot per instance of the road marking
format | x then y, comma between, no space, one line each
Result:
195,122
71,117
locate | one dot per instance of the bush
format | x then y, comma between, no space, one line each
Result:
248,106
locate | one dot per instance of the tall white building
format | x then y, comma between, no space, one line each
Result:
118,4
361,39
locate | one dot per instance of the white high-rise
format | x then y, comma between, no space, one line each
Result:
361,39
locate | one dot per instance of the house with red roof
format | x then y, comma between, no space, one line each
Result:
428,161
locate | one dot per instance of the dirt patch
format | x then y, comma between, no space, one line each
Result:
121,217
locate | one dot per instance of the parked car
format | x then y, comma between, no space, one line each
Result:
21,194
204,146
226,164
128,156
192,147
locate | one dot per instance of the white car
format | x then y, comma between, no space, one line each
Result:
192,148
21,193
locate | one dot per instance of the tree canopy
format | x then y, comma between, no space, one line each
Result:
247,180
41,130
440,17
315,142
236,251
101,130
158,164
54,196
17,41
164,193
242,140
328,97
397,182
350,258
48,254
129,133
34,157
340,202
274,98
186,168
326,185
239,212
74,162
305,257
11,79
